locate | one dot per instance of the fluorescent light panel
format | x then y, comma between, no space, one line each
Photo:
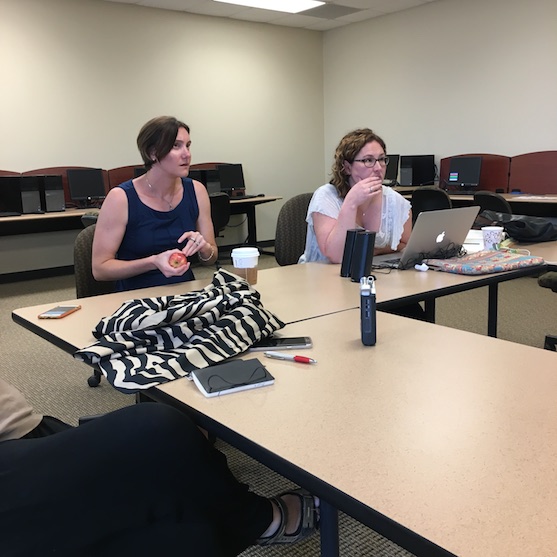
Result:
288,6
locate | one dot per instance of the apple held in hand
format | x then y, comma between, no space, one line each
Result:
177,259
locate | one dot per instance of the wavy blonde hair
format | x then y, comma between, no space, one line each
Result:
349,146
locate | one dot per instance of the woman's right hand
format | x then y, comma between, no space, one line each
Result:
163,264
366,191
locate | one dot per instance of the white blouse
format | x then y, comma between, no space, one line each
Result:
395,211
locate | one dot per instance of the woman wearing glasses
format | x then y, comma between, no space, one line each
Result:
356,198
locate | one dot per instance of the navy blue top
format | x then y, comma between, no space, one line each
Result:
150,232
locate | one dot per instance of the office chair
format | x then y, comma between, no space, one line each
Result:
85,283
89,218
220,211
491,201
429,198
290,235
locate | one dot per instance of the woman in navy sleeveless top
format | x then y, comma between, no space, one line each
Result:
145,221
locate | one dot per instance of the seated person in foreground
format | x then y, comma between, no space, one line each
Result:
145,220
356,198
142,480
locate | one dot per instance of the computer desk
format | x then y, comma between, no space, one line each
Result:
24,236
446,449
247,207
542,205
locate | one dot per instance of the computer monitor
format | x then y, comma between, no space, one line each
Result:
212,181
391,172
231,177
464,173
198,175
417,170
86,185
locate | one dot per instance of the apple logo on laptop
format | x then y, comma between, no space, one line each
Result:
440,237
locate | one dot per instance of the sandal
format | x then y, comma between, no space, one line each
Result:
309,519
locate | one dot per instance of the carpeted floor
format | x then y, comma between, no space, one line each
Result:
56,384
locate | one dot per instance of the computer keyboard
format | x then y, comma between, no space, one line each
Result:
9,214
247,196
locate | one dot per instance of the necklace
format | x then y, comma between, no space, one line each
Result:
160,196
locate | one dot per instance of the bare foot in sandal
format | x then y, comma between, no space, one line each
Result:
295,518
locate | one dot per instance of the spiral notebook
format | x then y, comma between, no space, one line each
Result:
231,377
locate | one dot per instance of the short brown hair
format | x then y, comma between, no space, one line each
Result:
156,138
349,146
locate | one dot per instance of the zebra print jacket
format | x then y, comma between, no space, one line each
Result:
150,341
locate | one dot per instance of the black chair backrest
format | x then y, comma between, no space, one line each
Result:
491,201
89,218
290,236
220,211
85,283
429,199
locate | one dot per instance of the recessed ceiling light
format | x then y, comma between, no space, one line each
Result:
289,6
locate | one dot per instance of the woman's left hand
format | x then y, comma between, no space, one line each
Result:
194,242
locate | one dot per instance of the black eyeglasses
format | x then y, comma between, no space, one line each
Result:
370,161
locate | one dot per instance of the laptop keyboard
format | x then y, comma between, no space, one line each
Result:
388,264
9,214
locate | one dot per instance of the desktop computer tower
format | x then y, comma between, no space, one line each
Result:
10,195
30,194
406,172
52,193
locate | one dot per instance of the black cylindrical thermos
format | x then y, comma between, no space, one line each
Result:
362,256
346,265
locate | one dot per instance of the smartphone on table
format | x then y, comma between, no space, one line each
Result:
58,312
282,343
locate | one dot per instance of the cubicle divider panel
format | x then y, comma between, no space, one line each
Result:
206,165
62,170
117,176
534,173
494,175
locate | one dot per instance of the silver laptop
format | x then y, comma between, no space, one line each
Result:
436,235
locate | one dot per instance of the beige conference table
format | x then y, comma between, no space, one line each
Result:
293,293
445,450
547,250
74,332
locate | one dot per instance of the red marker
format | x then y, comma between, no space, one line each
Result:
281,356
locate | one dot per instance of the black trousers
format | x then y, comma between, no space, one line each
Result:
139,481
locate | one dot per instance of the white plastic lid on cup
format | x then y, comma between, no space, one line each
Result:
245,258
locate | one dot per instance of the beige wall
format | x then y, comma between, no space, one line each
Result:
79,78
453,76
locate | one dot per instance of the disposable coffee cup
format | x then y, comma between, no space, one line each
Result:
492,236
245,261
